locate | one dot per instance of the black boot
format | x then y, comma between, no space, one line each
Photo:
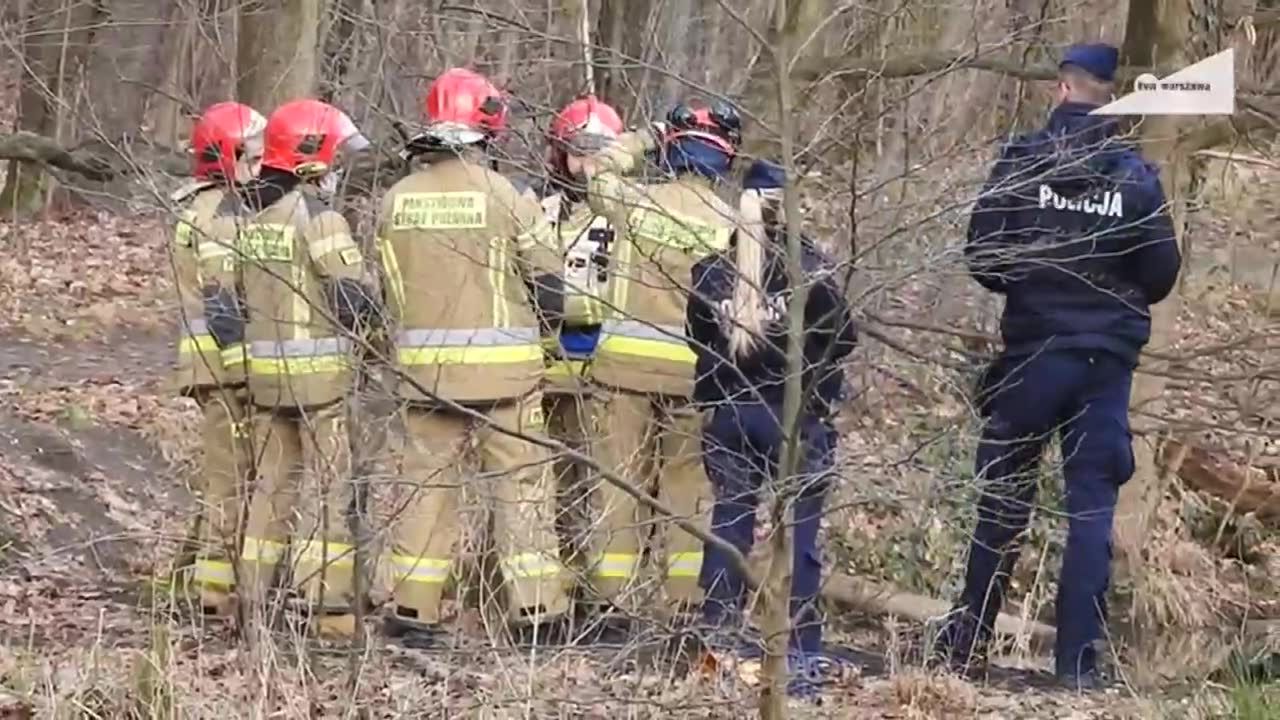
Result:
959,644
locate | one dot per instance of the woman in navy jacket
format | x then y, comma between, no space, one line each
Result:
737,326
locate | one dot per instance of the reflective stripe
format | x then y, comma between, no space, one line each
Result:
567,368
618,565
299,357
332,554
662,342
234,355
314,347
684,564
468,346
432,571
332,243
298,366
211,249
196,326
214,572
530,565
498,281
467,336
262,551
195,344
391,266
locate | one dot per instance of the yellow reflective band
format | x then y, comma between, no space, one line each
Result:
234,355
654,349
298,365
498,282
567,368
262,551
470,355
192,344
214,572
333,243
431,571
530,565
332,554
684,564
212,249
391,266
540,233
617,565
439,211
183,231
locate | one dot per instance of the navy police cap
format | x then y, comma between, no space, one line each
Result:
764,175
1097,59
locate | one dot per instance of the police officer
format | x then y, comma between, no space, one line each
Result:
1073,230
226,145
649,430
472,267
296,295
737,320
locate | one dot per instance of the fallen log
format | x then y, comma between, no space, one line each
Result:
1249,489
880,599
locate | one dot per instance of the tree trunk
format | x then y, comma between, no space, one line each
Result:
1157,33
54,37
166,115
277,54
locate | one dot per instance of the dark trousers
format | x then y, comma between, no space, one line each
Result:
1084,397
742,446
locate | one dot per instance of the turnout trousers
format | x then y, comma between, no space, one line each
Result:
743,446
301,520
571,421
221,489
1083,396
450,458
654,443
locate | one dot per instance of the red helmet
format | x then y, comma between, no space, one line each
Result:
463,107
718,123
219,136
584,123
304,136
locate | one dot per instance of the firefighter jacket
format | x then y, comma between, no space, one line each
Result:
283,260
665,229
201,364
469,263
586,239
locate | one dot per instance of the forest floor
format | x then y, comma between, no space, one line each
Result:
95,461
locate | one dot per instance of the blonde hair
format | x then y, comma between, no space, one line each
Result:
748,310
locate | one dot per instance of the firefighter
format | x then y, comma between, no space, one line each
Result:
580,129
295,288
649,431
226,144
468,263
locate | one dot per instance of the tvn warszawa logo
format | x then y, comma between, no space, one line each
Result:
1205,88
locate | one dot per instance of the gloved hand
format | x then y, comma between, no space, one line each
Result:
224,315
547,291
352,303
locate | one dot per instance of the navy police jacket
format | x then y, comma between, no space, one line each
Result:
1073,230
829,334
